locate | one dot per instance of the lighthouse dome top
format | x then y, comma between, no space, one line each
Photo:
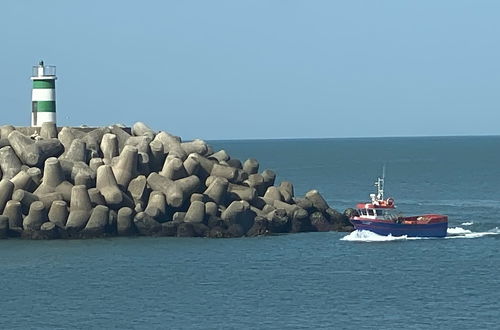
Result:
42,70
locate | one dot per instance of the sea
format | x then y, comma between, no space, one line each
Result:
328,280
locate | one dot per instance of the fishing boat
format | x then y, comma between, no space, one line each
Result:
381,217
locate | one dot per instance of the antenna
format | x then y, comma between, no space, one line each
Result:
380,185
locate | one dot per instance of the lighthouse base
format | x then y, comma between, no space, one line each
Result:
38,118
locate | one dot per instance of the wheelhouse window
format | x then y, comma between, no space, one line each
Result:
370,212
379,212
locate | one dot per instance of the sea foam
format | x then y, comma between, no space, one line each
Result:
453,232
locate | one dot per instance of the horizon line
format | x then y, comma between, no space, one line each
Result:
355,137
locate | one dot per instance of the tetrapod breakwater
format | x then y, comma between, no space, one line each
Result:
82,182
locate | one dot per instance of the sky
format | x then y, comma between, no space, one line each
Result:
260,69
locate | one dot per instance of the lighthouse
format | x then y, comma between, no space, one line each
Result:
43,96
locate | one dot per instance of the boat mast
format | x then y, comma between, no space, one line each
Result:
380,185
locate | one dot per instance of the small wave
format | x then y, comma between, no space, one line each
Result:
458,232
368,236
467,223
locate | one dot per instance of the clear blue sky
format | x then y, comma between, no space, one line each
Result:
260,69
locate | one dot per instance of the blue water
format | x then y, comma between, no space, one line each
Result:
307,280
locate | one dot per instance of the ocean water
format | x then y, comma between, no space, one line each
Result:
329,280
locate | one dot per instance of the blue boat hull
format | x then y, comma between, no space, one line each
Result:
398,229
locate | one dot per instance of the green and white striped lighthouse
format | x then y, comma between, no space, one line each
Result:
43,96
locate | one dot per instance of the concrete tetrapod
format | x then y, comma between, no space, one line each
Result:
48,130
157,206
96,197
22,180
53,176
84,179
126,168
107,185
269,177
141,129
140,142
36,176
175,191
226,172
48,230
217,190
121,135
96,226
13,212
237,214
137,188
24,197
158,156
257,181
5,130
173,169
273,194
287,191
196,146
109,147
239,192
251,166
36,216
191,164
80,209
92,140
211,209
6,189
146,225
220,156
196,212
32,152
58,213
76,152
205,166
317,200
48,198
9,162
171,145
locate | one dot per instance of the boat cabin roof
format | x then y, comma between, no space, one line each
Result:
372,206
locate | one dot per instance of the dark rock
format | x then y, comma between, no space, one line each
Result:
279,222
48,230
169,228
214,221
319,221
259,228
125,222
186,229
4,226
146,225
300,222
217,232
200,229
235,230
339,221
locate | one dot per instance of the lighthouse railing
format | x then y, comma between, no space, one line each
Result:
48,70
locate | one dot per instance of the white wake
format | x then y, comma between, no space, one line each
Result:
454,232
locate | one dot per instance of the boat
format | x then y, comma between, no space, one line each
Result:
381,217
